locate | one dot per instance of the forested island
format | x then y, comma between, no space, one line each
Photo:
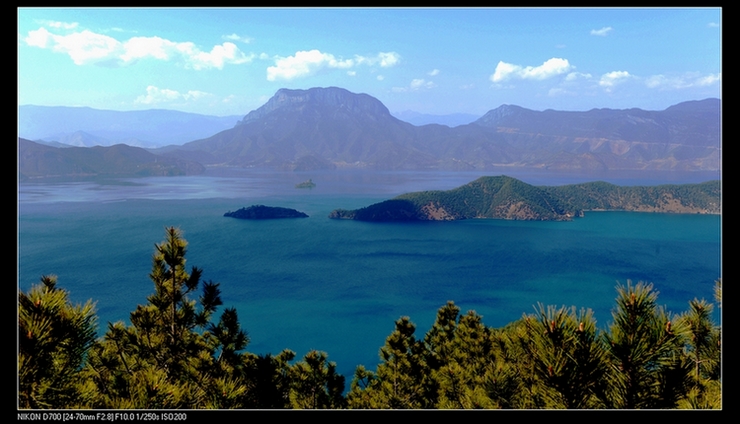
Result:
265,212
178,352
503,197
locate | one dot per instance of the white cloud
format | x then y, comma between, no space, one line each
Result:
415,85
305,63
548,69
713,25
573,76
556,92
141,47
504,71
433,72
62,25
155,95
388,59
351,73
709,79
656,81
601,32
419,83
86,47
235,37
611,79
218,57
38,38
682,81
380,78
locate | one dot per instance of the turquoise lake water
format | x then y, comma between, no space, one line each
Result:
338,286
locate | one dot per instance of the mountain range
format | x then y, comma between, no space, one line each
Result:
324,128
328,128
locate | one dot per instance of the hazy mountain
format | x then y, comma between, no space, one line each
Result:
685,136
323,128
318,128
84,126
36,160
451,120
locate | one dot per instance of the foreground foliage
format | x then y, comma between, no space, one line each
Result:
176,354
53,337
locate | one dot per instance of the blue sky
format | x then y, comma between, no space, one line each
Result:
223,61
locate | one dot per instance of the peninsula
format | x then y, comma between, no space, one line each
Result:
504,197
265,212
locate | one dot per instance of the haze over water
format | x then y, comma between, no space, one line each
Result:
338,286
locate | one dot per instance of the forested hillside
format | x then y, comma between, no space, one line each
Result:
182,351
504,197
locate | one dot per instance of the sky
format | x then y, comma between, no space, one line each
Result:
229,61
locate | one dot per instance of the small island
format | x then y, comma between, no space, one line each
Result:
265,212
306,184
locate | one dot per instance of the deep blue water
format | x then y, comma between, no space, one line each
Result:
338,286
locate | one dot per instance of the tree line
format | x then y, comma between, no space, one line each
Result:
178,352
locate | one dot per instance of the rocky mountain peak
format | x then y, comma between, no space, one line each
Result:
331,98
492,117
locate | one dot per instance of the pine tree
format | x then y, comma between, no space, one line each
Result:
397,382
172,355
703,350
315,383
645,352
567,355
508,382
53,340
458,356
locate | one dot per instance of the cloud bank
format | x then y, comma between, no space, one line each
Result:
86,47
304,63
155,95
552,67
415,85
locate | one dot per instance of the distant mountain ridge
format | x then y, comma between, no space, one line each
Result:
504,197
325,128
693,123
450,120
86,127
38,161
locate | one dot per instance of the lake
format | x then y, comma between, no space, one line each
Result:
338,286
